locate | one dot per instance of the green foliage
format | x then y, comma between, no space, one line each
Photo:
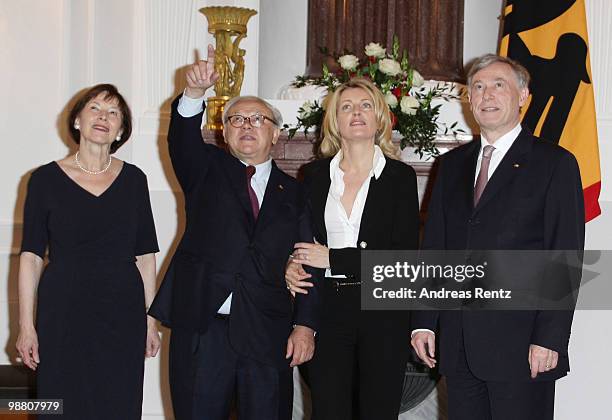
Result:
417,128
310,115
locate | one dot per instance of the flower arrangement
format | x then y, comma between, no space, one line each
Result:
413,114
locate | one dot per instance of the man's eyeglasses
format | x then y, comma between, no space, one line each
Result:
256,120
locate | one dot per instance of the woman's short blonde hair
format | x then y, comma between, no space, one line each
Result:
331,143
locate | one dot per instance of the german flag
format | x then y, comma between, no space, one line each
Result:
549,37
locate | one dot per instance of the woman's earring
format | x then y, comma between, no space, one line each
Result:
76,126
118,137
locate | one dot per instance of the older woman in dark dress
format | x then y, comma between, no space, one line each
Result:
92,212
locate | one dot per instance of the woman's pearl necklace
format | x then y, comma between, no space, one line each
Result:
87,171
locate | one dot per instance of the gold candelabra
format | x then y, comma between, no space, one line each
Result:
229,25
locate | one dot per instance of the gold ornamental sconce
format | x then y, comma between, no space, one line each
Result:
229,26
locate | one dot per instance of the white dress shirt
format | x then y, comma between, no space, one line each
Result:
188,107
342,230
502,145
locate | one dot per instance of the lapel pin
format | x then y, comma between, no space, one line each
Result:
516,165
280,187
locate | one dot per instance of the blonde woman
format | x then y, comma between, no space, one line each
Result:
362,198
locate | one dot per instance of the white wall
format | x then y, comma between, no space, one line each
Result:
480,27
50,49
585,393
282,53
31,92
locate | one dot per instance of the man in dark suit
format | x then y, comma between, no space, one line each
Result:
507,190
234,324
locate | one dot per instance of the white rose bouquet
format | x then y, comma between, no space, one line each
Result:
409,100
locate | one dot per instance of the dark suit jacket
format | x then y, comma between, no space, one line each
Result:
533,201
223,249
390,219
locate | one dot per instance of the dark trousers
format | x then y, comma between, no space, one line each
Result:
206,375
470,398
357,371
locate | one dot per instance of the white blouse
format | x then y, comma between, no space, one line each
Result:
342,230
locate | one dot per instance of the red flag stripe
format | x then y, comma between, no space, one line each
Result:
591,202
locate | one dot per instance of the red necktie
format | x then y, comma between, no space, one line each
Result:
250,171
483,175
